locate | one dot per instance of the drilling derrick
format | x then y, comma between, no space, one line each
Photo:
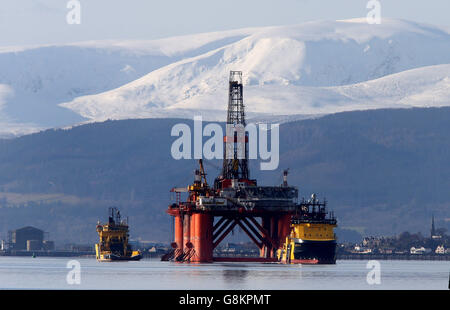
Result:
235,159
270,215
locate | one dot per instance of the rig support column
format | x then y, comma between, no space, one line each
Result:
192,236
266,251
178,235
284,227
187,231
274,234
201,237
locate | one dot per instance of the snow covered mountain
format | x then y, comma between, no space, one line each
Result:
313,68
34,80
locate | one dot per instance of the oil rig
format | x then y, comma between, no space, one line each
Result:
271,216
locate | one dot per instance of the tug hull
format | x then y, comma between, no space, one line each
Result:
113,240
314,252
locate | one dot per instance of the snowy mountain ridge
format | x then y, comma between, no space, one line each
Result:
313,68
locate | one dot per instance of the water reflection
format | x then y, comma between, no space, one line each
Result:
235,275
45,273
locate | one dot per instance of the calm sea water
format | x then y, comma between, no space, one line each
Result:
51,273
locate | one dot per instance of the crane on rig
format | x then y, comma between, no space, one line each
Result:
202,173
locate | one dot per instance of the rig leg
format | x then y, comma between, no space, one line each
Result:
178,234
267,249
274,234
284,228
187,230
202,225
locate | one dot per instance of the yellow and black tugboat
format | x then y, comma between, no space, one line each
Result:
113,244
312,239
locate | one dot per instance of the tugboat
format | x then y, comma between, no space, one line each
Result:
113,244
312,239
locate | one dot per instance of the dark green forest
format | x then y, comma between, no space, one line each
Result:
382,171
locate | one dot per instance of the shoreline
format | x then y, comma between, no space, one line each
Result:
357,256
350,256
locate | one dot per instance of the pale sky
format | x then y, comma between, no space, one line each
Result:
27,22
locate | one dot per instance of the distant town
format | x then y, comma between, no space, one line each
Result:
405,245
31,241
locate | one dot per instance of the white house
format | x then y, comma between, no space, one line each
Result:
440,250
420,250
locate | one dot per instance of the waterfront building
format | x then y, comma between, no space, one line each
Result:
420,250
26,239
440,250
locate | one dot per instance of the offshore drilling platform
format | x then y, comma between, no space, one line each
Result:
283,228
